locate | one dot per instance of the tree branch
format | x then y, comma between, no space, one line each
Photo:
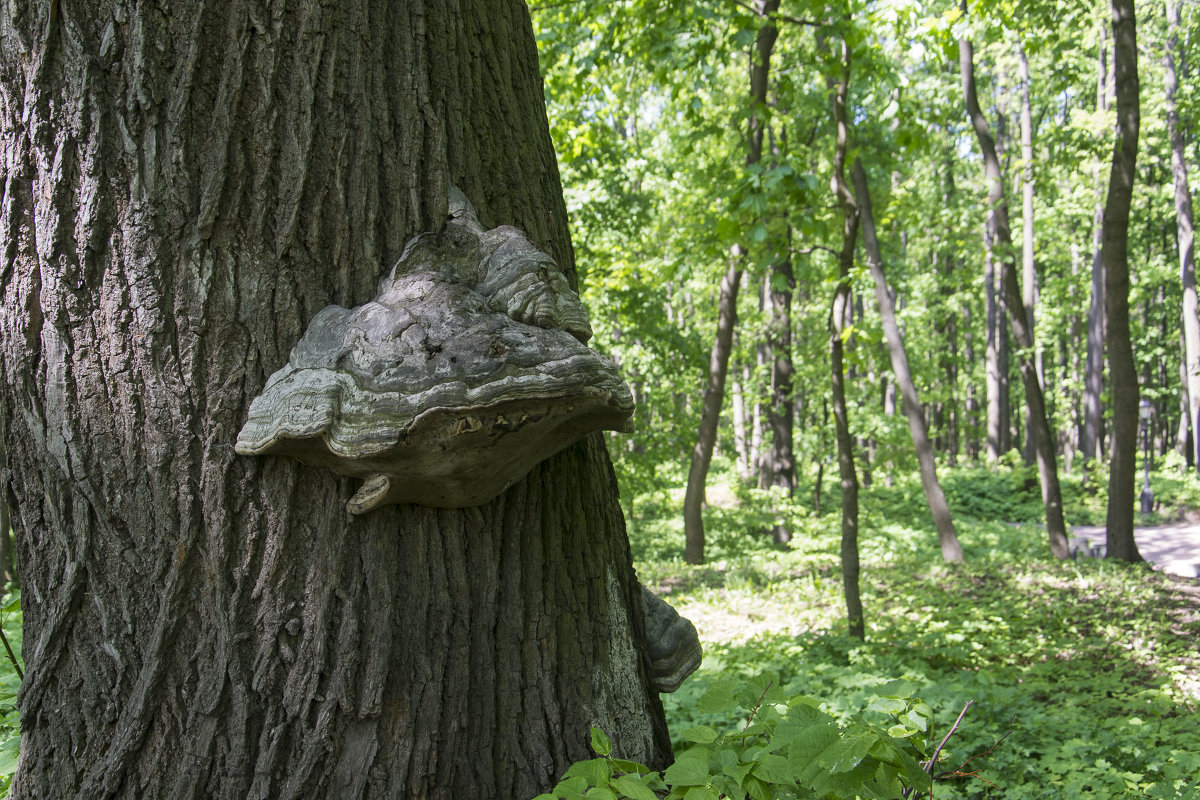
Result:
933,758
805,251
777,16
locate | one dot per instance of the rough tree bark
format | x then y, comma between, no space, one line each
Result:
838,317
1185,235
1043,437
938,507
184,187
1123,378
718,364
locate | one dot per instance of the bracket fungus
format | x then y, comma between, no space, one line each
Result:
671,642
467,369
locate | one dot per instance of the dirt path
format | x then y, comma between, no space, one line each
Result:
1173,548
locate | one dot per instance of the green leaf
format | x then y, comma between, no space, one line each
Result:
571,787
629,766
888,705
687,771
700,734
848,753
736,771
916,776
774,769
631,787
917,719
886,752
757,789
13,606
897,689
812,740
596,772
600,793
601,744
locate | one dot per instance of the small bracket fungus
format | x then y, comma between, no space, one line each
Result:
671,642
467,369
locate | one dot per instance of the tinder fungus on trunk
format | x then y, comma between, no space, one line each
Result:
466,370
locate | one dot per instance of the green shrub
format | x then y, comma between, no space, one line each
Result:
786,747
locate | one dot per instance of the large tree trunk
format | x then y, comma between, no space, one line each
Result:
839,315
1122,370
1043,438
710,414
718,364
1185,236
183,191
938,508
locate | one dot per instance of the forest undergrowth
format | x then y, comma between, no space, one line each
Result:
1084,675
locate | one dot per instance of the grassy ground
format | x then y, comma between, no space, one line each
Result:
1090,668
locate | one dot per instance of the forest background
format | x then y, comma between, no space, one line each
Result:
706,153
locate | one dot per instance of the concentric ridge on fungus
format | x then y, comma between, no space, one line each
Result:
467,369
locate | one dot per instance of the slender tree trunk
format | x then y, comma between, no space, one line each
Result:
839,314
1122,370
718,363
1093,406
947,416
185,186
938,508
781,283
999,414
1029,281
1072,362
1022,333
741,441
972,444
763,355
710,415
756,420
823,449
1091,437
753,422
780,460
1185,236
1183,433
889,410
